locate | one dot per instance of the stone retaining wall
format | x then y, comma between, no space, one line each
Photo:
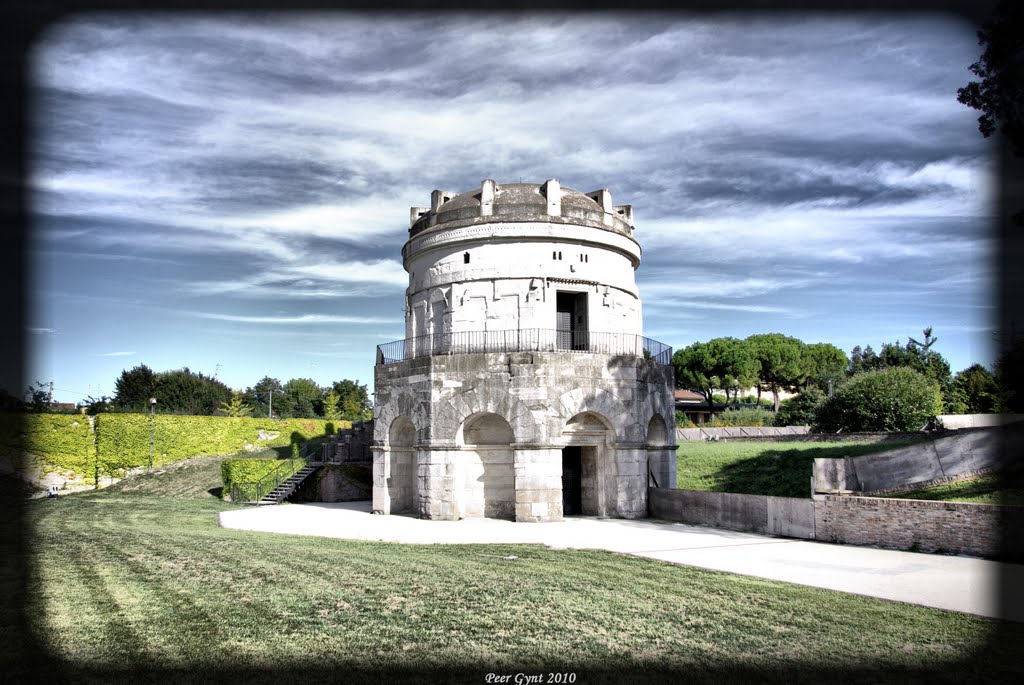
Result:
739,432
954,456
982,530
785,516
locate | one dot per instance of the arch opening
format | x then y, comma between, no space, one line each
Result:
486,467
403,479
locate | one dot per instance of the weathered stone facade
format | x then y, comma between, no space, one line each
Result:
524,388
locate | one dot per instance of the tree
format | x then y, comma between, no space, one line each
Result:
332,412
1000,94
824,365
695,370
736,366
236,407
915,355
718,363
894,399
354,400
261,398
37,399
188,392
134,388
779,358
976,391
303,397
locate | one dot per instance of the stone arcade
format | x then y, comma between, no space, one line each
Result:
524,388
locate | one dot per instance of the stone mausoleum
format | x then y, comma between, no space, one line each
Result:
524,388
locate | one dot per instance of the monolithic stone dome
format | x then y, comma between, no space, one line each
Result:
511,202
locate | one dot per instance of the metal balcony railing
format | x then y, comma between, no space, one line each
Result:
524,340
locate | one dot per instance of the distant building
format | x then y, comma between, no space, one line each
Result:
524,388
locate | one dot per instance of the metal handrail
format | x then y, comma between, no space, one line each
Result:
260,488
524,340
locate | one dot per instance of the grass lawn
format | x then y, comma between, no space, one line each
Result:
982,490
782,469
136,581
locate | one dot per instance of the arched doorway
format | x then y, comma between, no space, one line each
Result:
586,468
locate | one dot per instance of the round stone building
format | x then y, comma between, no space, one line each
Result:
524,388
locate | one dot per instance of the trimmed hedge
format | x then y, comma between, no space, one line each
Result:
122,440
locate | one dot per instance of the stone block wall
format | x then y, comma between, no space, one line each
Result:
487,432
951,457
786,516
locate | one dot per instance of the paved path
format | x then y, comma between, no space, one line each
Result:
945,582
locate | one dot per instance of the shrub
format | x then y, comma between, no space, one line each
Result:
744,416
894,399
683,421
800,410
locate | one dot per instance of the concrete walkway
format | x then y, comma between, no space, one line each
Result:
945,582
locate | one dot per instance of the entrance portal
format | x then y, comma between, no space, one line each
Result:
571,320
572,481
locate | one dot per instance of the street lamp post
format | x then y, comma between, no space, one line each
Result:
152,429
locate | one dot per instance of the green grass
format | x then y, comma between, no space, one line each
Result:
138,579
782,469
982,490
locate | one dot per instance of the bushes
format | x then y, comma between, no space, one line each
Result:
894,399
745,416
801,410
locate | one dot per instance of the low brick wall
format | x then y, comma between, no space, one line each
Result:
786,516
982,530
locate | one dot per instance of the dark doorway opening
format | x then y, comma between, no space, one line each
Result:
572,481
571,320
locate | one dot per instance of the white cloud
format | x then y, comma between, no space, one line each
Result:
298,319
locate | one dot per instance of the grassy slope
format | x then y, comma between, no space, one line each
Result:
982,490
138,576
761,468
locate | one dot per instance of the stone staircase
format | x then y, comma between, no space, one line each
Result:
288,485
350,444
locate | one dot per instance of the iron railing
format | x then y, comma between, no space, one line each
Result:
524,340
254,491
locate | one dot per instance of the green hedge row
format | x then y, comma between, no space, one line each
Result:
252,470
61,442
65,442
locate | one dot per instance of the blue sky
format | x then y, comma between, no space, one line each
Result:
231,193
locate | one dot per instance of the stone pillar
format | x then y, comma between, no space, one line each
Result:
437,472
487,191
630,482
538,477
662,463
381,473
553,193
